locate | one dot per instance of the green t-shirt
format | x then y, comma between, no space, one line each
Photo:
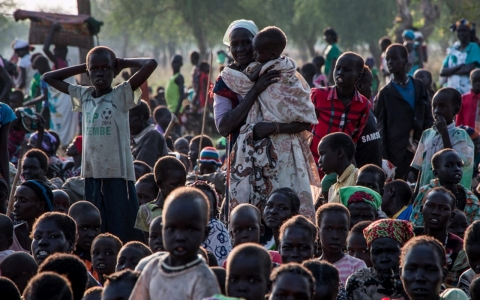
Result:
172,94
34,89
332,52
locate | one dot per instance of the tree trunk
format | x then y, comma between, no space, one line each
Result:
403,19
311,48
431,13
126,40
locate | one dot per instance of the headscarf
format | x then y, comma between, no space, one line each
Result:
245,24
461,22
43,192
409,34
399,230
48,143
28,113
356,194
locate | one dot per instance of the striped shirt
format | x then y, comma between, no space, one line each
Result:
348,265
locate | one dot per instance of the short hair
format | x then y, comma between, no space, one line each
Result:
402,189
18,263
81,208
64,222
140,246
148,178
204,67
6,226
48,285
452,94
206,142
101,50
308,69
127,274
418,71
340,140
71,267
194,55
245,207
189,194
330,31
358,60
38,154
437,157
221,275
291,196
476,70
323,272
374,169
9,289
331,207
166,165
424,240
92,292
296,269
442,190
475,288
144,165
116,241
251,251
318,60
161,111
403,50
359,227
366,73
472,235
384,40
273,38
40,59
142,110
301,222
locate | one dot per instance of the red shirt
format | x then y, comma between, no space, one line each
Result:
468,111
333,116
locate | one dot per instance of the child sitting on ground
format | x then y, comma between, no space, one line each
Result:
130,255
292,281
357,244
446,104
169,174
471,244
181,273
333,221
362,203
119,285
105,249
6,236
297,240
155,240
447,168
396,200
326,279
459,224
248,272
108,167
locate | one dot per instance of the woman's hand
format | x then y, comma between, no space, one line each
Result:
263,129
265,80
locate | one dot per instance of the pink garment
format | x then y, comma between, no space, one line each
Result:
274,255
16,244
348,265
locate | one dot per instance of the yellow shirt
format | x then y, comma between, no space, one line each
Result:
348,178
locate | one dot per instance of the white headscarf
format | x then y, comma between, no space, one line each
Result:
246,24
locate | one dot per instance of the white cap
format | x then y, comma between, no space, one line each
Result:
19,44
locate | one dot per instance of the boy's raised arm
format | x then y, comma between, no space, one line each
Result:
146,65
56,78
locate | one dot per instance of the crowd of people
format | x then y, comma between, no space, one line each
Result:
324,185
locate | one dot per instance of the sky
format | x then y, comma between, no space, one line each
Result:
63,6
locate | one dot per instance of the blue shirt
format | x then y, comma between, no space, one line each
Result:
408,92
6,114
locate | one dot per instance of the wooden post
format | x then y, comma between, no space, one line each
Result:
83,7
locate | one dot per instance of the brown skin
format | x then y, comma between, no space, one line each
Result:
463,36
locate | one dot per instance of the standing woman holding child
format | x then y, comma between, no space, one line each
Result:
232,112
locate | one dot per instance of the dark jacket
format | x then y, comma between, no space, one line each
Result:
149,146
395,119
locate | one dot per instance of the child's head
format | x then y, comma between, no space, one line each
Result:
35,164
101,64
139,117
204,67
420,256
176,62
384,42
195,145
208,161
141,168
297,240
438,208
447,166
15,99
131,254
88,221
9,290
333,149
396,195
146,188
292,281
194,58
40,63
213,198
459,224
248,272
327,279
71,267
162,116
246,224
471,244
397,59
75,147
348,70
364,85
318,62
330,35
185,218
333,221
170,174
53,233
155,236
357,244
105,248
93,293
181,146
48,285
6,232
120,285
475,80
61,201
446,103
282,204
269,44
372,177
19,267
32,199
424,76
308,71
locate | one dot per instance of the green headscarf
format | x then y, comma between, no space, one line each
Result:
355,194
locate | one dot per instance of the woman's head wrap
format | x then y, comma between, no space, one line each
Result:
459,23
399,230
43,192
355,194
409,34
245,24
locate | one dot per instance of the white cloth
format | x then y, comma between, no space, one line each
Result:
106,149
245,24
19,44
26,64
63,119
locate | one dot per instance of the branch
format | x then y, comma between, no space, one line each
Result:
404,18
431,13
